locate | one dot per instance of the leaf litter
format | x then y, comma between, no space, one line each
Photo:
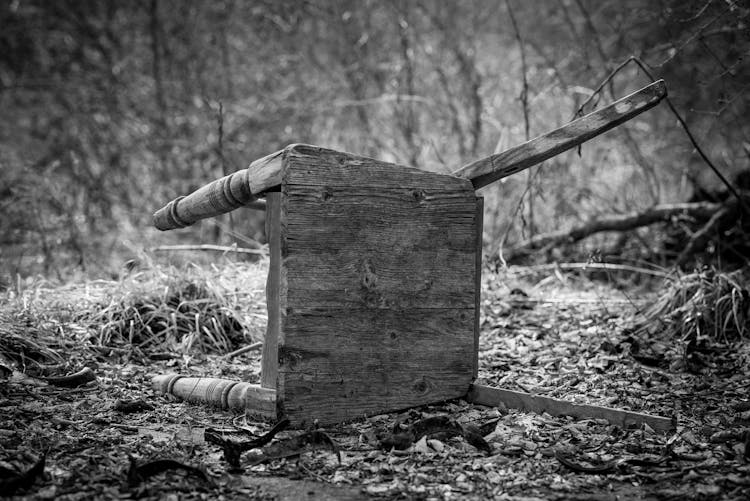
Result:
113,438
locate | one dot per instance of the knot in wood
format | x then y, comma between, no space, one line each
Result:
290,357
369,278
421,386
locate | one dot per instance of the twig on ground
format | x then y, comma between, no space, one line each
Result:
244,349
207,247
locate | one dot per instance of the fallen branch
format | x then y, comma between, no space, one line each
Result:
592,266
615,222
700,238
208,247
244,349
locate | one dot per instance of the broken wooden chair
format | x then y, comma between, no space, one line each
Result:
374,281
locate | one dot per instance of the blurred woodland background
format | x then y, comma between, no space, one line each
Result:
110,109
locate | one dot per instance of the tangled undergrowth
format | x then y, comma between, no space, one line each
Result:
25,343
705,304
168,309
692,319
185,314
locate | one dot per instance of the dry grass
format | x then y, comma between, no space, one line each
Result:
157,308
26,343
195,309
707,303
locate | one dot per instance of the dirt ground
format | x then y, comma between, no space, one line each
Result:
560,337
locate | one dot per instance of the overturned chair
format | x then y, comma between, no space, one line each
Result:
374,281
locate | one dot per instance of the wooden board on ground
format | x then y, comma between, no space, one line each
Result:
487,395
378,287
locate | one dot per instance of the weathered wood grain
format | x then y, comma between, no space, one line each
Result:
354,171
362,362
478,281
490,169
378,267
391,334
223,393
238,189
487,395
269,362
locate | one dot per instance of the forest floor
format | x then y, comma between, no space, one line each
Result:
561,336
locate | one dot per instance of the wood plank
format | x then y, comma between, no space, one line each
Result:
354,171
207,247
355,254
223,393
326,221
269,362
363,362
390,389
487,395
385,336
238,189
378,265
394,198
478,280
490,169
377,283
